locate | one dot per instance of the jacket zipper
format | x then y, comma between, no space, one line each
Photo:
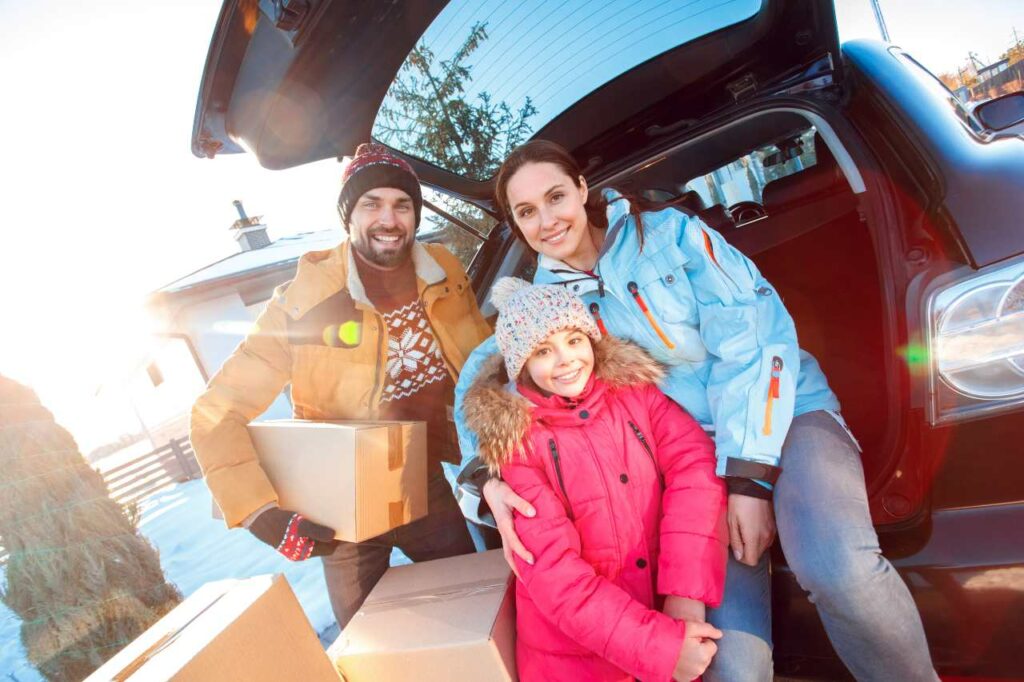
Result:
595,310
426,313
558,472
634,290
643,441
382,359
773,394
709,247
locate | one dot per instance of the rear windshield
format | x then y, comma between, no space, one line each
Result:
487,74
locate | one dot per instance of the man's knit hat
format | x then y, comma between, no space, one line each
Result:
374,166
530,313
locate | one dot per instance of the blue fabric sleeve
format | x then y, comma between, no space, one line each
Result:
752,339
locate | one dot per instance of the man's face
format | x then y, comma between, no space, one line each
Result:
382,225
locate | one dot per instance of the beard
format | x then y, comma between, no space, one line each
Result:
384,255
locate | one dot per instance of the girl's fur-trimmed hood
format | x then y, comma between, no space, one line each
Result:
501,418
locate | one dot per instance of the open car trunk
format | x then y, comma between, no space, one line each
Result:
805,232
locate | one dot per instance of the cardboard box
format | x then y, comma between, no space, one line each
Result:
359,478
253,630
436,621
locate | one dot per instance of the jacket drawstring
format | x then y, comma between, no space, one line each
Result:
635,291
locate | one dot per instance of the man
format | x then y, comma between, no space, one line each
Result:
377,328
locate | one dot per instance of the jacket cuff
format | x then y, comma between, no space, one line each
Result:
745,468
748,487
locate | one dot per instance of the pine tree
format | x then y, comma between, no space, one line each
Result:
79,575
427,114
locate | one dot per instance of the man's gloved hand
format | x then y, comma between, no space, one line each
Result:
293,535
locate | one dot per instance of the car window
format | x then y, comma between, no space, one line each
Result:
448,224
744,178
932,82
487,74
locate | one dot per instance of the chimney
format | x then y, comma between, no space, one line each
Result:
250,233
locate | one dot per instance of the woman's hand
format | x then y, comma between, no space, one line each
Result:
503,500
697,651
688,610
751,527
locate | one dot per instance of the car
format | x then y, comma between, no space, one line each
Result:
886,215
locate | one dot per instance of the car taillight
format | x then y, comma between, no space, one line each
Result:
976,344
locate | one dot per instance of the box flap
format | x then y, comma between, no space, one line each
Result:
442,603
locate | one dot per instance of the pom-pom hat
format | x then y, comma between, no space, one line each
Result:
530,313
375,166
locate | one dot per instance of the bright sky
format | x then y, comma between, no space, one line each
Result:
103,201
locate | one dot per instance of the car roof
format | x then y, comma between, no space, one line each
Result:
294,90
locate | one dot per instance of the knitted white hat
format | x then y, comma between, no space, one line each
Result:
530,313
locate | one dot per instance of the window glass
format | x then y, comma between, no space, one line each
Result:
744,178
487,74
941,92
437,228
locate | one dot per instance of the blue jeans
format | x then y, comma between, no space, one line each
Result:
821,510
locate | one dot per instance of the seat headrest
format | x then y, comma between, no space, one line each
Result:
716,218
689,200
821,178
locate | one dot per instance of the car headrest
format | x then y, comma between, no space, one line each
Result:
716,218
822,178
689,200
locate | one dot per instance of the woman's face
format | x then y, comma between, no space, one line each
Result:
562,364
548,208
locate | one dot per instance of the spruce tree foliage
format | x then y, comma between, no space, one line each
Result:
79,575
426,113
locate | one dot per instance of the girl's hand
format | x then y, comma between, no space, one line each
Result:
697,651
688,610
502,500
751,527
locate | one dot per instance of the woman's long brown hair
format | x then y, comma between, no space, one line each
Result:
545,151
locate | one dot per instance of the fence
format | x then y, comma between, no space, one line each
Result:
132,481
173,463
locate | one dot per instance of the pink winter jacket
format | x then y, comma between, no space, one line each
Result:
628,510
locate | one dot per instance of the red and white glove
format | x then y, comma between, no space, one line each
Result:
293,535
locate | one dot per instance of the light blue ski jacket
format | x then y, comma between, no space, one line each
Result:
702,308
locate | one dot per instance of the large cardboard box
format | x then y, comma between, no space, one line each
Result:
253,630
436,621
359,478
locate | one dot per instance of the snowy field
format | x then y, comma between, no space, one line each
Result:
195,549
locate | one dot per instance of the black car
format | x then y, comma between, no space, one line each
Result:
889,217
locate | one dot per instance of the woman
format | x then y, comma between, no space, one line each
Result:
663,279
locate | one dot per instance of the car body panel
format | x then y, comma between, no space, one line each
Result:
981,178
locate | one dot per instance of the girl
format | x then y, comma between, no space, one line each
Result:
666,281
628,507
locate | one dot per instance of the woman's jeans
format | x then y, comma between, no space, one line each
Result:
821,510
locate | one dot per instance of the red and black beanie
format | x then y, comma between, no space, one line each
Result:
374,166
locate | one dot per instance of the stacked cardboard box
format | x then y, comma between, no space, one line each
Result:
253,630
436,621
359,478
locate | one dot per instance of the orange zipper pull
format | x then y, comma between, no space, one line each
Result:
773,393
635,291
595,310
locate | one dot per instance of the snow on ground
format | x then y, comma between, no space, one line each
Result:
195,549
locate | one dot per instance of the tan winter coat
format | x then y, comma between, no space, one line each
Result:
321,334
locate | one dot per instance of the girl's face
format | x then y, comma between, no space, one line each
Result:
548,208
562,364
